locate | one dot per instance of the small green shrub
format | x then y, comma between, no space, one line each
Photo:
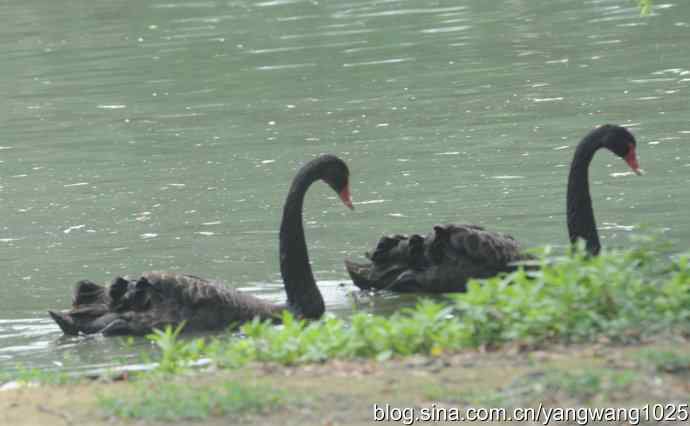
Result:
176,354
578,298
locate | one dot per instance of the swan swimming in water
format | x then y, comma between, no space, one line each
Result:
444,260
158,299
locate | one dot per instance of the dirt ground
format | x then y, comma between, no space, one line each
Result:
344,393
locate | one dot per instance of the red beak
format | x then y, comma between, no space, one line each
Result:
631,159
345,197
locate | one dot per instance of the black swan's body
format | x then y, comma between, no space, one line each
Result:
157,299
445,259
440,262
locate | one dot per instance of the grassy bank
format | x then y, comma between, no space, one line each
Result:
344,392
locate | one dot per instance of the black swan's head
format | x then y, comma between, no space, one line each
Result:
335,173
619,141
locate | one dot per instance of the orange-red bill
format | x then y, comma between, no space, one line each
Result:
631,159
345,197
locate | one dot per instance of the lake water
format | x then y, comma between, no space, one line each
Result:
162,135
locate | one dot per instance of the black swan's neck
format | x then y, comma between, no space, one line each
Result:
581,223
303,296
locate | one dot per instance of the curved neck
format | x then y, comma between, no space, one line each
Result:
581,223
303,296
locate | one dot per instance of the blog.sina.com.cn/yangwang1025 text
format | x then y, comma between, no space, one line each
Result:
540,414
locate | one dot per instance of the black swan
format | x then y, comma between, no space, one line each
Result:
445,259
581,222
158,299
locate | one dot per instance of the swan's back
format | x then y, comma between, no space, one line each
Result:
441,261
156,300
210,304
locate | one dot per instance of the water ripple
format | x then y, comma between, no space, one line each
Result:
326,34
446,29
353,13
378,62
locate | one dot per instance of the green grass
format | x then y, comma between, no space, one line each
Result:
581,386
158,400
623,295
36,375
665,361
620,294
